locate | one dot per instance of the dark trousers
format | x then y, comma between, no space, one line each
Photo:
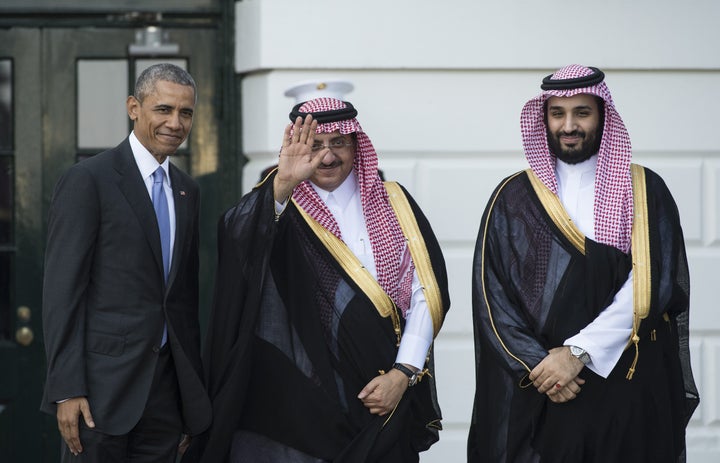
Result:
154,439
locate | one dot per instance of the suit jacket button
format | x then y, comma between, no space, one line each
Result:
156,349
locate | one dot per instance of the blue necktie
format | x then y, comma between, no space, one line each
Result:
163,218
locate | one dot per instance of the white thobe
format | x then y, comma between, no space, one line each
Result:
606,337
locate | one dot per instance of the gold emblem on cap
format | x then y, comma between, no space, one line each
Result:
321,86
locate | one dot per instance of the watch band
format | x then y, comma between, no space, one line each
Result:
412,376
580,353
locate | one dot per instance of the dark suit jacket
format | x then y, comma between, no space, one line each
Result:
105,298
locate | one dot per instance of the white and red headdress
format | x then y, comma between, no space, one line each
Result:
613,209
392,257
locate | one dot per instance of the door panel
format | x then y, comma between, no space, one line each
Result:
24,431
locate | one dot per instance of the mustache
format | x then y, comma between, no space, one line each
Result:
574,133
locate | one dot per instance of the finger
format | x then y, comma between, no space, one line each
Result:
574,387
286,135
68,427
555,389
71,437
318,158
567,394
546,385
376,411
538,377
296,130
369,402
533,375
367,390
306,129
87,416
311,133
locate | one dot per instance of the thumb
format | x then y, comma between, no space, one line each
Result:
87,416
319,158
367,390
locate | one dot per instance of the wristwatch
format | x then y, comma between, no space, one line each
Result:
580,353
412,376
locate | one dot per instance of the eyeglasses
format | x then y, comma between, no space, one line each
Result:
335,144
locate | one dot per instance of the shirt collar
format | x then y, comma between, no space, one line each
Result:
145,161
588,166
343,193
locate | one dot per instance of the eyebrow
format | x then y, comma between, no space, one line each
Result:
573,108
168,106
344,137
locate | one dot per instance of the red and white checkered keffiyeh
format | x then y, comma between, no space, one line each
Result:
613,209
392,258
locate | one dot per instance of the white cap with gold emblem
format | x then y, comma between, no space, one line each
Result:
311,89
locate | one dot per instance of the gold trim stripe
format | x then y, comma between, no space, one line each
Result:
419,253
482,278
640,244
355,270
264,179
640,250
557,212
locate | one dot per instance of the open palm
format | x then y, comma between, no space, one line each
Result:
297,161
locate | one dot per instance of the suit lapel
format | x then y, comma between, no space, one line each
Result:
132,186
182,220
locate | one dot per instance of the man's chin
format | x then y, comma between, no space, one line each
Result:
573,157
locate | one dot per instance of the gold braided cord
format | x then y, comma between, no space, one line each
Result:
390,415
419,253
557,212
355,270
640,249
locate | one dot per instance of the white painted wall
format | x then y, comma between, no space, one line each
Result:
439,87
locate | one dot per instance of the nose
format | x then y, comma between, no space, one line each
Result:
569,124
329,157
173,120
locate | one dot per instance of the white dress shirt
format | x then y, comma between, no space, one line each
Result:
344,203
607,336
147,165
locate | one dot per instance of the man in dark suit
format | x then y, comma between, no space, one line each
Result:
120,298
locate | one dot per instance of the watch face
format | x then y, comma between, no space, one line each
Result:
580,353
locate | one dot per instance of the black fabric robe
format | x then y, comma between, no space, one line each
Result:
292,341
533,289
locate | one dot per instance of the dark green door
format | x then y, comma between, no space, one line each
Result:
62,98
25,434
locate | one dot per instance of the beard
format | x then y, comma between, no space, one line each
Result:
587,147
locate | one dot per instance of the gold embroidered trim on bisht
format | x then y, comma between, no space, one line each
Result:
264,179
557,212
482,279
419,253
640,250
355,270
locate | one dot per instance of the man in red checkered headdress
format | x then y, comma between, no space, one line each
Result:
580,295
331,287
